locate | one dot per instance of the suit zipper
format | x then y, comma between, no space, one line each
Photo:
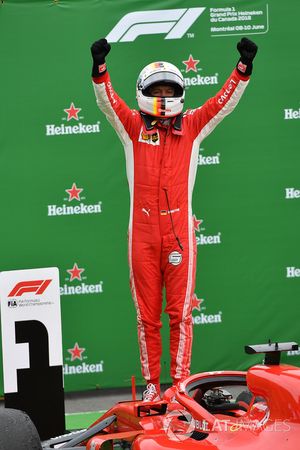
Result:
167,198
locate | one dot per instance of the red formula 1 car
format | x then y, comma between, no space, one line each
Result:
258,409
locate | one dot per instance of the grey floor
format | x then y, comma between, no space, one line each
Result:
96,400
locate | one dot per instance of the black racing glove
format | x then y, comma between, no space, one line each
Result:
99,50
247,50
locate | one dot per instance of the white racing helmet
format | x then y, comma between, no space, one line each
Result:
157,73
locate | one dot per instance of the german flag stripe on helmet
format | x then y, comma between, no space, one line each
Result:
157,65
159,106
156,102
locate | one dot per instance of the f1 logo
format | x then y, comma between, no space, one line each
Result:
36,286
175,22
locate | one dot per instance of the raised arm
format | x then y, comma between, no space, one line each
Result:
121,117
212,112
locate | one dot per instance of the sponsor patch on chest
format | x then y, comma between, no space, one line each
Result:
152,139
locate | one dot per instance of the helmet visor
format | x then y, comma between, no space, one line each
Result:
165,78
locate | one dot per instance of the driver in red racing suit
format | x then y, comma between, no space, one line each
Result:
161,147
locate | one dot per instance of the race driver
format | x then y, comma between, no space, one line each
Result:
161,144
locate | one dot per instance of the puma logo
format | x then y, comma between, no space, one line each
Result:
146,211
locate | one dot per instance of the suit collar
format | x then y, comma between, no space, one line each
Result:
150,123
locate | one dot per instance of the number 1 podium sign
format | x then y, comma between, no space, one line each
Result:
32,347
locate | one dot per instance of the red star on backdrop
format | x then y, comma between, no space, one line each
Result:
197,223
75,272
74,192
76,352
196,302
191,64
72,112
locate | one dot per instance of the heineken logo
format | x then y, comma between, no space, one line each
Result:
293,353
293,272
77,127
200,316
191,65
197,223
202,319
64,210
196,302
211,160
74,193
76,352
76,274
292,193
205,239
290,114
72,112
76,365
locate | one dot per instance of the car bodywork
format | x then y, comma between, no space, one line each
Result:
257,409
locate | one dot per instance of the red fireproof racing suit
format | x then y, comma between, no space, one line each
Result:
161,164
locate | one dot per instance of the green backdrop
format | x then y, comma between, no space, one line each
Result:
54,139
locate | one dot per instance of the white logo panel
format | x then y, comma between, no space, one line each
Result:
31,294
